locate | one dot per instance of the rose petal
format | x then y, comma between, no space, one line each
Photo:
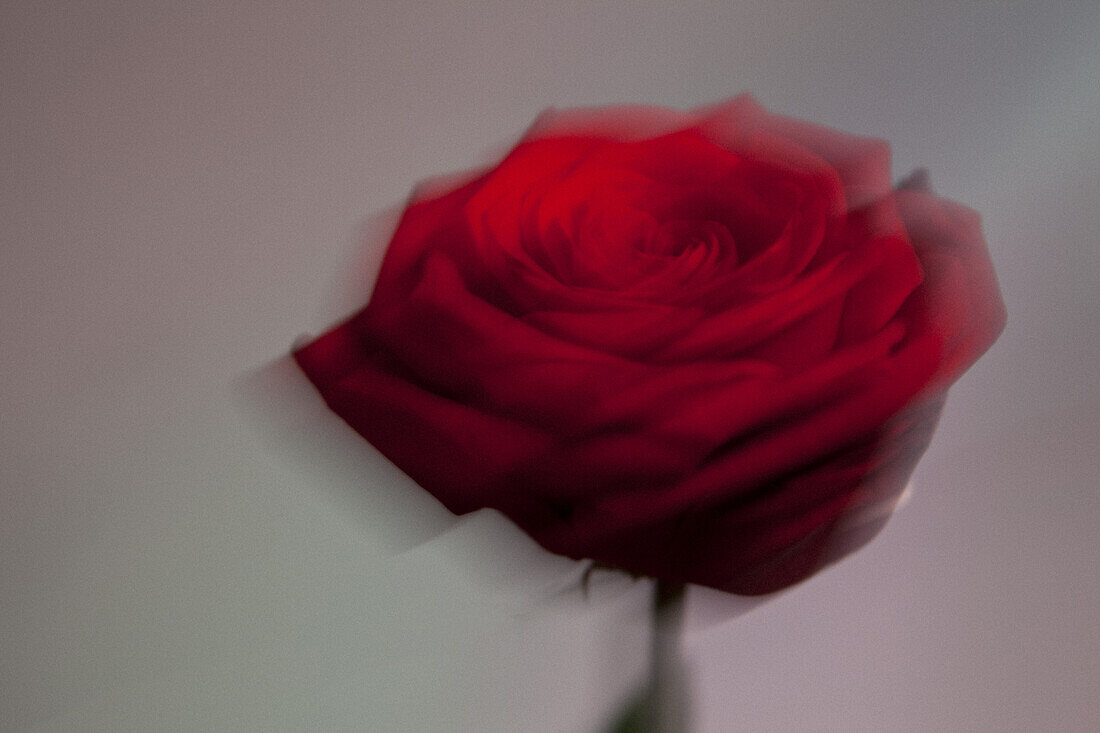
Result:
453,450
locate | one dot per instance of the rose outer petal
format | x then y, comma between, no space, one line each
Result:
962,300
439,443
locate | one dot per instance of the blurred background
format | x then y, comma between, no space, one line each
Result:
188,541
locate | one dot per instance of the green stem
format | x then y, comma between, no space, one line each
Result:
668,612
661,706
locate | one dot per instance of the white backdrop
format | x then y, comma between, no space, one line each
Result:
189,542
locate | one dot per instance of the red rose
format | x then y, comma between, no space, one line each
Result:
701,346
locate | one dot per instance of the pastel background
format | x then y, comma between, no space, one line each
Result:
188,542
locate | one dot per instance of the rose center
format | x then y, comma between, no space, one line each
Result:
678,238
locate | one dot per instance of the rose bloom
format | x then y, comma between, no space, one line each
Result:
704,346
